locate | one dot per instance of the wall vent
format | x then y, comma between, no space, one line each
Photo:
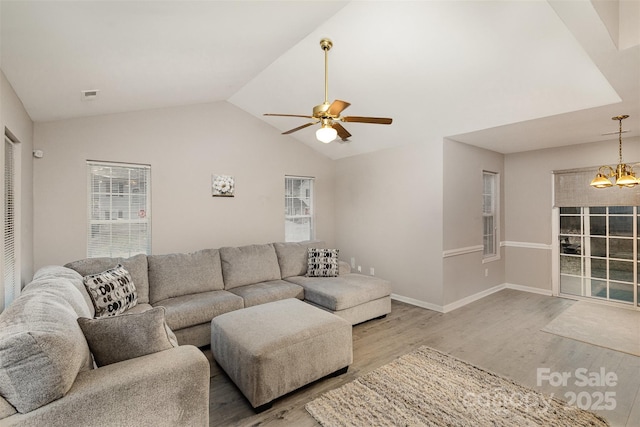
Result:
90,95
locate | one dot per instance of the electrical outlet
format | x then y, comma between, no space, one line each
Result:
486,272
353,262
372,271
359,269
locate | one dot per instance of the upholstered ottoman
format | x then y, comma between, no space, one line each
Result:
269,350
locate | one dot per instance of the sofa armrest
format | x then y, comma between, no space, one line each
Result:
170,387
343,268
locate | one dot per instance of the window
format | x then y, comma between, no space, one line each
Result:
298,209
10,265
599,252
119,210
489,216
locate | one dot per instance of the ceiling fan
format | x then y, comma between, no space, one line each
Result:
328,115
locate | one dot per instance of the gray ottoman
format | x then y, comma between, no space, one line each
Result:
271,349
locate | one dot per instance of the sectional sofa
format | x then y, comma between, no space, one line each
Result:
196,287
46,372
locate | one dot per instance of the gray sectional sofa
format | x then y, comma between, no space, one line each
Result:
196,287
170,387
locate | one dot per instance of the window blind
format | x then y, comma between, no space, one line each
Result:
571,189
119,210
11,279
298,206
489,214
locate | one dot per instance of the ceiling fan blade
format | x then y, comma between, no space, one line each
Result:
288,115
342,132
298,128
337,107
378,120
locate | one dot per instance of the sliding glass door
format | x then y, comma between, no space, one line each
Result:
599,252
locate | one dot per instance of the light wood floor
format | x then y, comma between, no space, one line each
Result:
500,333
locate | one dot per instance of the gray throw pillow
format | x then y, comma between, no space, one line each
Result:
322,262
112,291
117,338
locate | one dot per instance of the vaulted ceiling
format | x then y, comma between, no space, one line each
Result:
504,75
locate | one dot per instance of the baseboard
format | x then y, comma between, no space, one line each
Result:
531,289
418,303
471,298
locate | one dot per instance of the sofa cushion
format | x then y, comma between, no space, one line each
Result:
112,291
342,292
293,256
42,348
265,292
247,265
190,310
54,272
322,262
174,275
136,266
117,338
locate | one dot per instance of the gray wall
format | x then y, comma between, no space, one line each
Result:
465,274
399,210
14,118
389,216
184,146
528,208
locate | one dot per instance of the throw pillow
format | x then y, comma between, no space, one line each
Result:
112,291
117,338
322,262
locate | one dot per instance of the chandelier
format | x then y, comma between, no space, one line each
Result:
623,174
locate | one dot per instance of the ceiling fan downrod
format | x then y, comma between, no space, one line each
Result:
326,45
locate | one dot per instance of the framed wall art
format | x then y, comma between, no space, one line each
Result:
222,185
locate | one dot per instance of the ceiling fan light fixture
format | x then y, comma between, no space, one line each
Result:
326,134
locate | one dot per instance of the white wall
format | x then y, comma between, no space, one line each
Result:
184,146
14,117
389,216
528,209
464,272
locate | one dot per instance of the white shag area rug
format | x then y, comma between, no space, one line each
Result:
430,388
602,325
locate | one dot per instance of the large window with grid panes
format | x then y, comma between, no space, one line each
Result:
599,252
119,209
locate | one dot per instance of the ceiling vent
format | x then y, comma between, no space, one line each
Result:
89,95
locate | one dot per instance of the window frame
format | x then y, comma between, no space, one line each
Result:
308,196
144,210
11,213
493,253
606,252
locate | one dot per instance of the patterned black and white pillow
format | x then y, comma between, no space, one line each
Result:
322,262
112,291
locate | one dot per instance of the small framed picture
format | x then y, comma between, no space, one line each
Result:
222,185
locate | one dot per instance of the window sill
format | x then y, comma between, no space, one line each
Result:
491,259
